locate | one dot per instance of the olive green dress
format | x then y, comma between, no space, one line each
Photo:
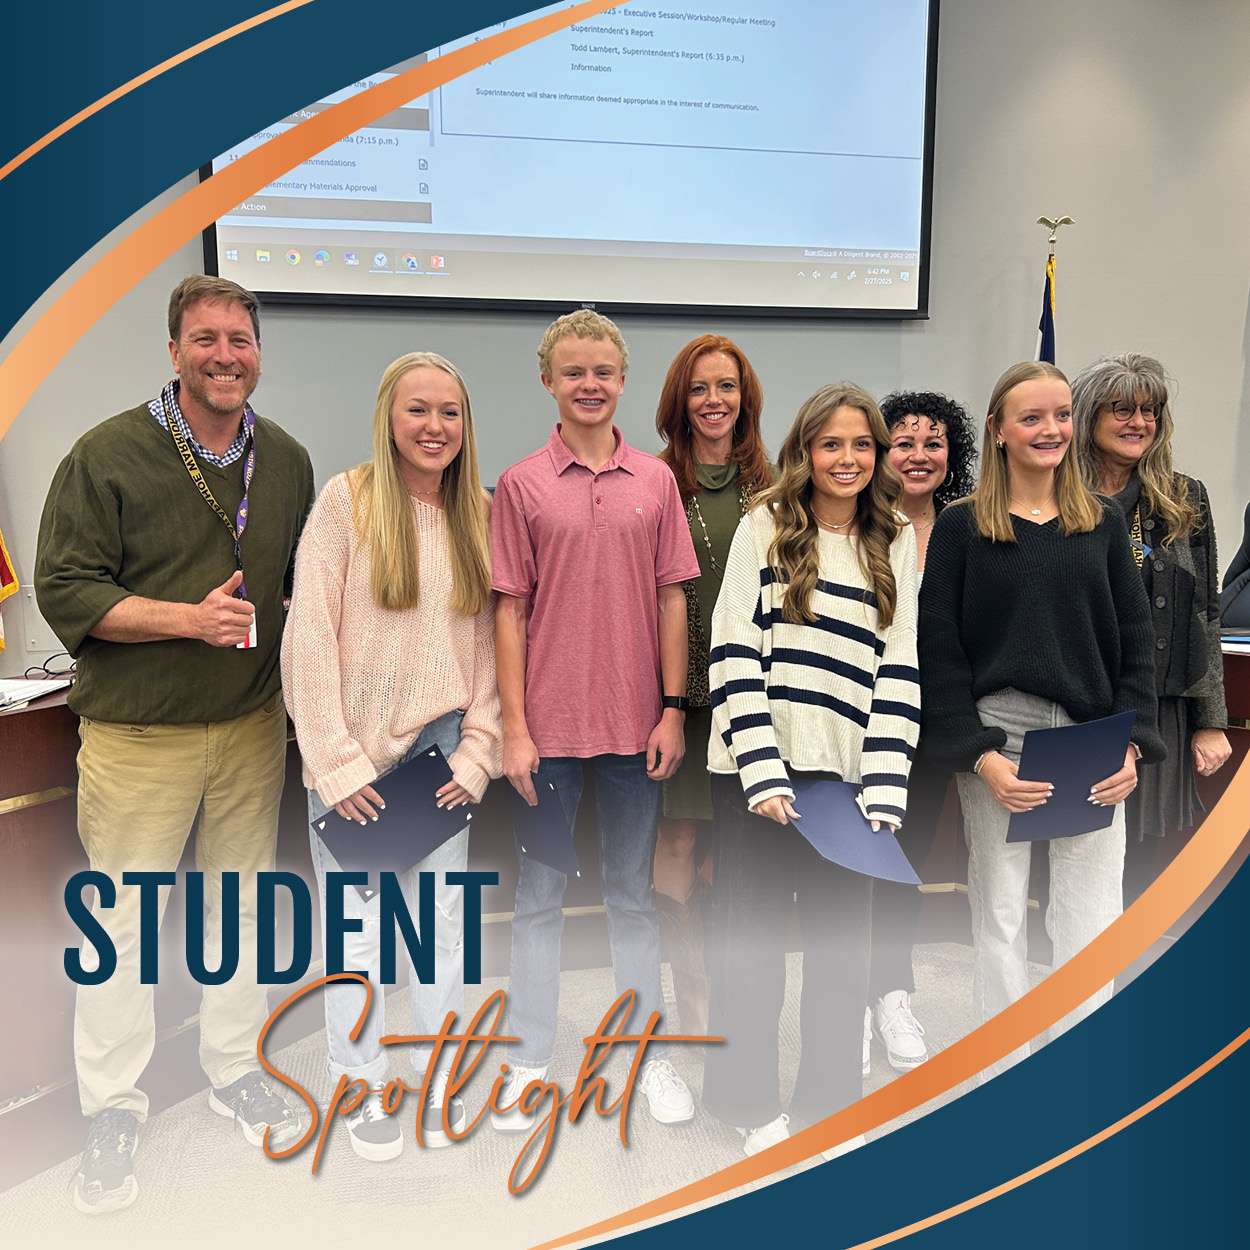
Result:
713,515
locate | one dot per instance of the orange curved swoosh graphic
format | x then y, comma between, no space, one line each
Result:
1176,890
135,256
155,72
1042,1168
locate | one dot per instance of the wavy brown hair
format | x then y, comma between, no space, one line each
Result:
1079,511
673,425
382,507
1115,380
792,553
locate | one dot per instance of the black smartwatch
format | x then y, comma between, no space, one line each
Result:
678,702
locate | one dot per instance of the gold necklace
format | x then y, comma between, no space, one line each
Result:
1032,511
745,495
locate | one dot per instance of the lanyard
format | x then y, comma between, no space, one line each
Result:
239,524
1140,550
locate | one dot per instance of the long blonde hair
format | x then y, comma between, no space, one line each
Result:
1079,511
1114,380
792,552
382,507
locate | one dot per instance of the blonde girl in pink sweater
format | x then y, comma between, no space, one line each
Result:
389,648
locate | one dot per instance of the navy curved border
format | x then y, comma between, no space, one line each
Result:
1174,1178
1170,1179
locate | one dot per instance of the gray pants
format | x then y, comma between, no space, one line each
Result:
1086,873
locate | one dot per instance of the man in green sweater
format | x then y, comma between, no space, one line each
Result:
165,551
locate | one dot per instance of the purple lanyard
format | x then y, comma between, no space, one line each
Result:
249,467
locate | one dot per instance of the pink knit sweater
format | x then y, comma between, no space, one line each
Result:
361,681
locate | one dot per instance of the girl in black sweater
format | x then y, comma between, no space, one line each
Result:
1032,615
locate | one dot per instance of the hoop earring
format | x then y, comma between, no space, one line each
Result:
1000,444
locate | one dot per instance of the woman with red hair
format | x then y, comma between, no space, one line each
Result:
709,419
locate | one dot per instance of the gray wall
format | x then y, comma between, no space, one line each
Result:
1132,116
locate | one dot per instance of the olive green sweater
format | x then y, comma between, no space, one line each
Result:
123,518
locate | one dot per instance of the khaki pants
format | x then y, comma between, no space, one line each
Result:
140,791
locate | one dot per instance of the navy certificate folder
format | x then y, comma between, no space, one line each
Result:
406,831
543,832
832,822
1073,758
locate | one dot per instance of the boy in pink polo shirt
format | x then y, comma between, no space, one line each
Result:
590,547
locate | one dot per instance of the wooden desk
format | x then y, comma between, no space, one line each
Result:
39,851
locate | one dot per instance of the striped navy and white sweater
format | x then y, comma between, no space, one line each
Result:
837,694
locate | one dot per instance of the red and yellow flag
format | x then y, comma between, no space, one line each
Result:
8,581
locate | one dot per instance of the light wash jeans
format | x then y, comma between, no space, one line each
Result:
1086,875
627,803
429,1004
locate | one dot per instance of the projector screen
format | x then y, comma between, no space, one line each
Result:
726,156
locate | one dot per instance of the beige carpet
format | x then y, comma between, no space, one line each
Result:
201,1184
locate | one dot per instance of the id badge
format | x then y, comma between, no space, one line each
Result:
250,640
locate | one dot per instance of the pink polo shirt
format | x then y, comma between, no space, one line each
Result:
588,551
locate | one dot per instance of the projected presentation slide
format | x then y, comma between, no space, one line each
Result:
733,154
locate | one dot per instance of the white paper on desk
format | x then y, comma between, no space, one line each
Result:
17,690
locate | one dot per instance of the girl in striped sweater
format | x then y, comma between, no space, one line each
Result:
813,669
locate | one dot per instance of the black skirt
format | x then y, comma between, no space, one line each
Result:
1166,798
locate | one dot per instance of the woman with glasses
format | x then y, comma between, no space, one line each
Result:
1123,436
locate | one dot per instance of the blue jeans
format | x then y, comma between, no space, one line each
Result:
627,803
428,1004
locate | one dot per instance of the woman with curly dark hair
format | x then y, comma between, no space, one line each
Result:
933,447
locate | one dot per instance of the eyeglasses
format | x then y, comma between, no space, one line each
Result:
1126,412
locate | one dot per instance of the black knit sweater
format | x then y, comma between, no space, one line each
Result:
1062,617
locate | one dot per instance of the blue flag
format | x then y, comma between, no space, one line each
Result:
1046,326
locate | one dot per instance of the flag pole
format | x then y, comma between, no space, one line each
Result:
1046,324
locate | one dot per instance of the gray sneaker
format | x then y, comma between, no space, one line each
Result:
106,1177
375,1135
256,1107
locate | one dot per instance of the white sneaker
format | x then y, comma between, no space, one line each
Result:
667,1094
432,1131
900,1031
836,1152
514,1120
374,1135
867,1040
766,1135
